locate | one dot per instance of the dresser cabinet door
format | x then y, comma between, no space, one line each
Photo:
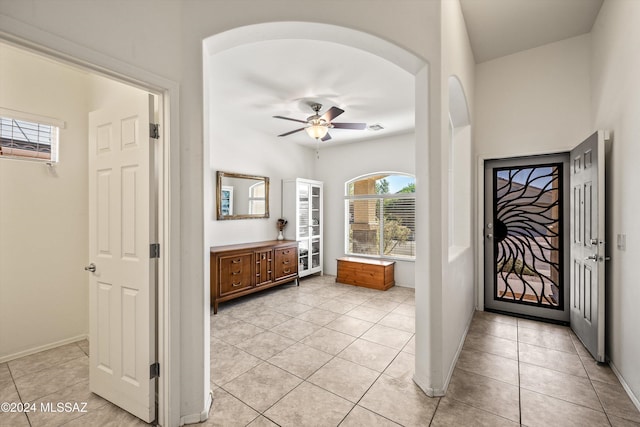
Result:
235,273
264,267
286,261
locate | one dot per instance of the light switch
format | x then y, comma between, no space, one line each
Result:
622,242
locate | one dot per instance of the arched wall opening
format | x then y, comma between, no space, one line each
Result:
459,169
415,66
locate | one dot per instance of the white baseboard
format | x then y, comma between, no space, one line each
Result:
202,416
38,349
633,397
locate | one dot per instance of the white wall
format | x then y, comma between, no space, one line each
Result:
457,293
615,105
534,101
341,163
43,214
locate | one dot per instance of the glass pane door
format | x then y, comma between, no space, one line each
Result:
303,220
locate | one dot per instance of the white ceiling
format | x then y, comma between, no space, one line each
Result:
501,27
253,82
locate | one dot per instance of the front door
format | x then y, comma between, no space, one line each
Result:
525,234
122,284
588,243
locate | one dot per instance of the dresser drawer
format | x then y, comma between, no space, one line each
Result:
235,273
286,262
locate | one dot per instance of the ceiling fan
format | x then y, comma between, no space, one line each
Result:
317,126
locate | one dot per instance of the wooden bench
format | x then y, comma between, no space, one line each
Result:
366,272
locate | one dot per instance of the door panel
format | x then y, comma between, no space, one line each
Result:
122,295
588,244
525,234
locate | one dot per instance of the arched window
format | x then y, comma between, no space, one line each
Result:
380,215
256,198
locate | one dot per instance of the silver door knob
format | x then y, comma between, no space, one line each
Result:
91,267
489,236
591,258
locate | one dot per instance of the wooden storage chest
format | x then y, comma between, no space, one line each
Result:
369,273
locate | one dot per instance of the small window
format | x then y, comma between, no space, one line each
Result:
24,139
380,215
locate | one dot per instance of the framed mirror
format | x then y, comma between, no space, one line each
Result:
240,196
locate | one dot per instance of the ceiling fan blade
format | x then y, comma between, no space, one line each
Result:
358,126
293,131
332,113
326,137
288,118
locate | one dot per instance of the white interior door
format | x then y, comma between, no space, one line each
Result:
588,243
121,220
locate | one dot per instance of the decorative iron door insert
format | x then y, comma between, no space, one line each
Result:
524,237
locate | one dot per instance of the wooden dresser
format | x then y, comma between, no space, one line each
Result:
366,272
243,269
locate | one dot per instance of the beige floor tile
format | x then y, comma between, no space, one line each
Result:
599,372
300,360
366,313
410,347
295,329
262,386
238,332
453,413
403,366
484,393
354,298
616,401
84,346
580,349
497,329
494,317
291,308
318,316
382,304
14,419
5,375
328,340
45,359
309,298
546,339
401,401
405,310
344,378
77,393
398,321
568,363
262,422
350,325
309,405
108,415
265,344
226,410
48,381
541,410
228,362
360,417
369,354
492,344
390,337
543,326
487,364
621,422
268,319
336,306
556,384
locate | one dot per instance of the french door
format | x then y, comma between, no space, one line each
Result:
525,236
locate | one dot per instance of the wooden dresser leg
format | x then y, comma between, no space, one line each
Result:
215,307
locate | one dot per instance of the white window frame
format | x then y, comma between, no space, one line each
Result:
56,125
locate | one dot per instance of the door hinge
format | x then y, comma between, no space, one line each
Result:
154,370
154,131
154,250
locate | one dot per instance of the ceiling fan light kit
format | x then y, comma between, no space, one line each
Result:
317,126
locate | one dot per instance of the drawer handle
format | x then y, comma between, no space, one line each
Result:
235,273
287,271
286,262
236,261
237,284
286,252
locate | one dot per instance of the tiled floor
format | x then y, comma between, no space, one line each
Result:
327,354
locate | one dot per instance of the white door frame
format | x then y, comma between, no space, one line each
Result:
36,40
479,230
